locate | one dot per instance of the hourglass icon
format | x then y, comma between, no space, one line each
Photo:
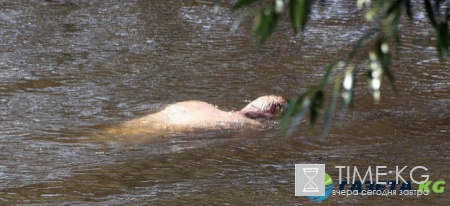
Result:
310,186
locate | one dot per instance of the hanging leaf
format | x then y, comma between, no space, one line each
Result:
361,42
442,39
373,12
329,72
316,105
265,23
394,24
293,107
239,20
288,114
392,20
299,12
430,12
330,110
297,108
295,16
384,57
299,114
408,8
348,84
394,6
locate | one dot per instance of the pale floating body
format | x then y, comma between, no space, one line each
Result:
192,116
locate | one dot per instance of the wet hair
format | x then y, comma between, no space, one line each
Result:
265,107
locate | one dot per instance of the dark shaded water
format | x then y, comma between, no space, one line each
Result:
69,69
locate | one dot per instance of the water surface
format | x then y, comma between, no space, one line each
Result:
70,69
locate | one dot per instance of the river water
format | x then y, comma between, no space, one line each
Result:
71,68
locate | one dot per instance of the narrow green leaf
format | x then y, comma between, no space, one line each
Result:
394,6
299,12
316,105
299,115
293,109
330,110
386,66
442,39
305,9
394,25
265,23
242,3
239,20
408,8
293,102
294,8
372,13
348,84
329,72
384,57
439,45
430,12
445,36
392,19
361,42
347,101
257,23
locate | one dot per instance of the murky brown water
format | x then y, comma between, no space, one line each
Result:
69,69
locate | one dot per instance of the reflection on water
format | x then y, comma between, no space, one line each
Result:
70,69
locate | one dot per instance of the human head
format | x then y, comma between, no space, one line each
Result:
265,107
